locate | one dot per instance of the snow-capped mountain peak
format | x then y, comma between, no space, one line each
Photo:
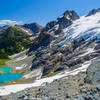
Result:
85,27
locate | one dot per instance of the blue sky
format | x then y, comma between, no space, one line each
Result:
42,11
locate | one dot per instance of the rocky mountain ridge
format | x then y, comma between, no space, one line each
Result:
68,48
33,27
54,29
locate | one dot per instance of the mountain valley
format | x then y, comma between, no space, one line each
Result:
60,61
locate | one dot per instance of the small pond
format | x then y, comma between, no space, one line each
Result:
7,76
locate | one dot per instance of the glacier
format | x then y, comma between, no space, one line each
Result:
87,27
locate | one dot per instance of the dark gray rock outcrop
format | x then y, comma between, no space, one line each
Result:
34,27
94,11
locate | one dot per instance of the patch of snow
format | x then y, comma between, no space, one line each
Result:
6,90
39,77
33,37
56,27
88,51
70,14
49,54
30,66
56,36
51,44
27,31
21,67
21,58
60,54
32,74
68,17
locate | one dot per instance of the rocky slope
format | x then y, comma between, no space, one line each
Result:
67,88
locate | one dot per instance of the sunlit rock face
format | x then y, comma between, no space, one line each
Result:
93,73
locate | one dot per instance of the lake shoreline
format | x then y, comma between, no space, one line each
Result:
7,75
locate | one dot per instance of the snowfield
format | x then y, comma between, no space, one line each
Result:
21,58
33,73
86,27
21,67
6,90
88,51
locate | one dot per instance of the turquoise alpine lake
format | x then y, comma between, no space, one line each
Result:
8,76
6,69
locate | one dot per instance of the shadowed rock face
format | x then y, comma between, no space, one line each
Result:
34,27
72,14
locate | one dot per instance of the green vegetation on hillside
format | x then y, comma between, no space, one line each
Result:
3,61
12,41
51,74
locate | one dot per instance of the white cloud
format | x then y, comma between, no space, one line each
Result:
9,22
